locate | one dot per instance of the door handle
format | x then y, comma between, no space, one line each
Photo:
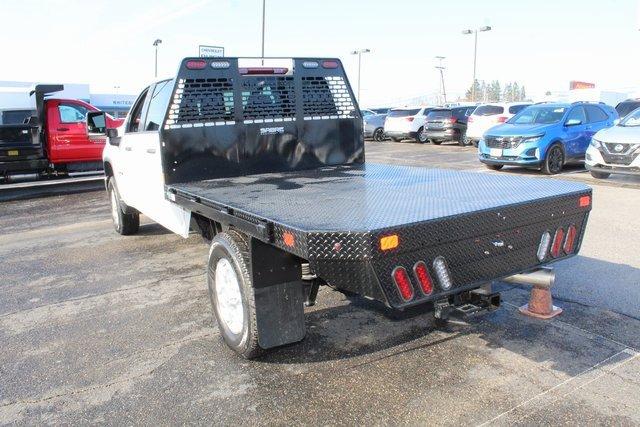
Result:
62,129
151,150
127,148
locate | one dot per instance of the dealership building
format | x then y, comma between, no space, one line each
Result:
15,95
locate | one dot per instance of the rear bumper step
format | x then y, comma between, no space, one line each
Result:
467,304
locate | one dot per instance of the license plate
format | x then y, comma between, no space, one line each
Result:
13,152
495,152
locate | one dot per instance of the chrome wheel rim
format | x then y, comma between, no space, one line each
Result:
228,296
114,209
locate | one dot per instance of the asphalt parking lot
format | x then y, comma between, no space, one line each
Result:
100,328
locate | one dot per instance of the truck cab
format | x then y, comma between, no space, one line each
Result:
51,139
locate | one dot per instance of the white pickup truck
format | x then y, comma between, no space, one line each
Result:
267,163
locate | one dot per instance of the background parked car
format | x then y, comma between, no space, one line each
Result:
374,127
627,106
486,116
380,110
407,122
545,136
616,149
365,112
448,124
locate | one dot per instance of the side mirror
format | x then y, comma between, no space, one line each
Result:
96,125
573,122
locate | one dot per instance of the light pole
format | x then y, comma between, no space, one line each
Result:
155,44
359,52
264,4
442,68
475,54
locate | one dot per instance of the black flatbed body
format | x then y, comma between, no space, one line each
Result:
486,225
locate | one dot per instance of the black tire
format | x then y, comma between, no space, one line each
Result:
233,247
434,142
600,175
462,140
494,167
554,160
378,135
124,223
475,142
421,136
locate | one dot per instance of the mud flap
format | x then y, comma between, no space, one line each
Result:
279,295
280,314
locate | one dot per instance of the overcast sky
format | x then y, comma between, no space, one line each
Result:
541,44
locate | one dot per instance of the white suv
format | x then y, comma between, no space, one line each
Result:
407,122
616,149
486,116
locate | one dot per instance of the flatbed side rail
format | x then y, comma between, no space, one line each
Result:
258,228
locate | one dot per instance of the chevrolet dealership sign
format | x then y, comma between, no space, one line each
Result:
210,51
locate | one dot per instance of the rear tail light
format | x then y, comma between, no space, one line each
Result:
570,240
543,247
422,275
409,119
584,201
442,272
262,70
452,120
502,119
403,283
329,64
196,65
558,239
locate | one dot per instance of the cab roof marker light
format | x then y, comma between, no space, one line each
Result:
220,64
442,272
196,65
543,247
262,70
310,64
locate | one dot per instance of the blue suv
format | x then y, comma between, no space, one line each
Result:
545,136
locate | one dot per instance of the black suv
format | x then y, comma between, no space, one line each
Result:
627,106
448,124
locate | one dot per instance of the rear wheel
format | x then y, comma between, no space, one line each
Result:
124,223
554,160
494,167
378,135
422,136
231,293
462,140
600,175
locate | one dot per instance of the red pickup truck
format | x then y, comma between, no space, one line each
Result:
50,141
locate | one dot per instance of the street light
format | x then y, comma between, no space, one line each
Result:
359,52
442,68
156,43
475,53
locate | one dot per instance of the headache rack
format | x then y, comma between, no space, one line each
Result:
228,119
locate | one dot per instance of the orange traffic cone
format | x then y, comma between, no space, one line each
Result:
540,304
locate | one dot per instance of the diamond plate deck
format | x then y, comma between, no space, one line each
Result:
370,196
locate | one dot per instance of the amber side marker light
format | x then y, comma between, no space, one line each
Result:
288,239
389,242
584,201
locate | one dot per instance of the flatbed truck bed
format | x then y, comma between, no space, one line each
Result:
484,225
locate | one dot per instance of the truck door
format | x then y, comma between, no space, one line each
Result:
146,180
67,133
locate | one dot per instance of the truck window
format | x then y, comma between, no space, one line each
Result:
72,113
136,113
158,105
